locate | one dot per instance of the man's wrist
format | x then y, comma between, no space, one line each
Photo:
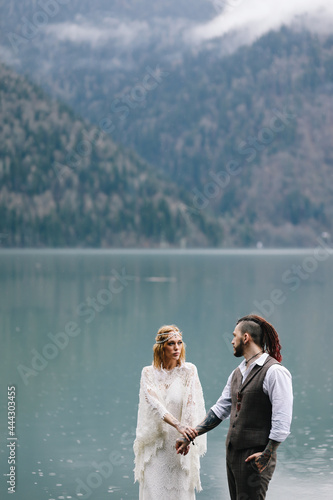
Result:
210,422
271,447
268,452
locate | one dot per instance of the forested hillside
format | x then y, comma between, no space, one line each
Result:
241,139
66,183
266,108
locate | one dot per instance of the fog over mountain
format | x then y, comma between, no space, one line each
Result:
136,23
247,20
190,87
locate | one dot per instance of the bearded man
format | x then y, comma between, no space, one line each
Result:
258,399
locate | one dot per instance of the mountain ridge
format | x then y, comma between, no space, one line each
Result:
217,127
66,183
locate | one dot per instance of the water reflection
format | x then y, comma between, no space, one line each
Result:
76,415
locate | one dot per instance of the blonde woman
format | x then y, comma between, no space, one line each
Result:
171,403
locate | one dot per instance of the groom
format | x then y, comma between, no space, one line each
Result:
258,398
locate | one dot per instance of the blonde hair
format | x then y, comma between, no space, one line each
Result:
158,349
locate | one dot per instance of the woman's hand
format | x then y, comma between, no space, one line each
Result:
182,446
188,432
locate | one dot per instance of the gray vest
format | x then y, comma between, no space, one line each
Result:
250,419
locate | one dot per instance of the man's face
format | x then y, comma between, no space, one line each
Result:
237,342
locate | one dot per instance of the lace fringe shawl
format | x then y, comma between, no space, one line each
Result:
152,431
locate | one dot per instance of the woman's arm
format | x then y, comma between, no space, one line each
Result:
188,432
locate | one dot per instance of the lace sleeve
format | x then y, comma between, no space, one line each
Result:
150,432
149,391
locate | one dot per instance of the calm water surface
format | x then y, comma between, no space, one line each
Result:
78,326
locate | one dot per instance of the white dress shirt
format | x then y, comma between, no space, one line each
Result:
277,385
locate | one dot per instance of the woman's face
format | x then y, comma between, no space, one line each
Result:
173,348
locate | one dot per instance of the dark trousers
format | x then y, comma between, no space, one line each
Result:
245,481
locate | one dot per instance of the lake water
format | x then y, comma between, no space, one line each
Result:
78,326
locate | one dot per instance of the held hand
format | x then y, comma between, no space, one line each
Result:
188,432
182,446
261,460
185,451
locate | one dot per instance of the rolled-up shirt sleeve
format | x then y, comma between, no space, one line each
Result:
278,386
222,407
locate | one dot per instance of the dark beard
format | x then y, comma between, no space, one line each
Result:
239,350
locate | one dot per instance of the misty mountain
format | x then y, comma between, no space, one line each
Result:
66,183
246,133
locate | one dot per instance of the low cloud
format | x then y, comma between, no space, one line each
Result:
238,21
99,33
164,31
249,19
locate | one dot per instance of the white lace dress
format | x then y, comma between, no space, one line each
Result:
162,474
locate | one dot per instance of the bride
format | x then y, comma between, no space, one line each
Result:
171,402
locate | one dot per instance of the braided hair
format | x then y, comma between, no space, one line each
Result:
263,334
